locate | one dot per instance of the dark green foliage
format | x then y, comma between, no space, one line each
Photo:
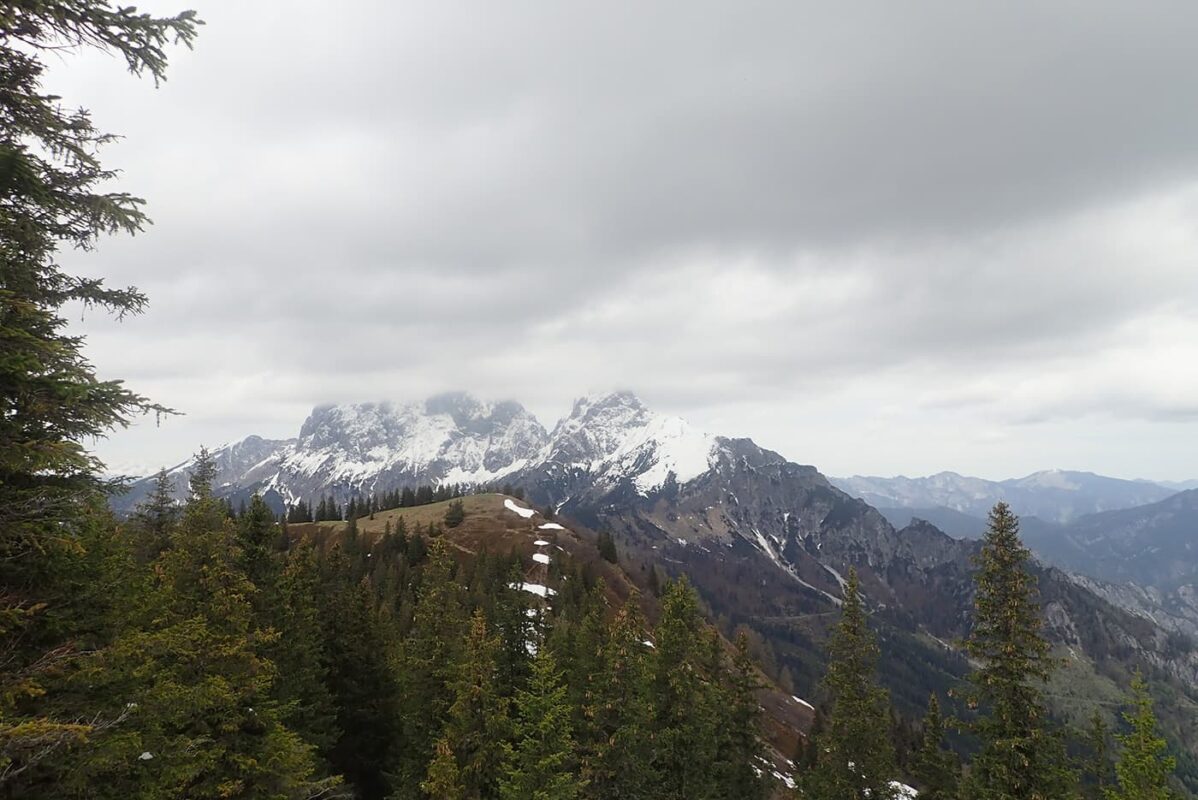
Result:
257,536
455,514
1144,768
477,724
425,665
854,755
1098,772
1020,756
741,743
54,195
203,475
607,547
188,669
619,709
299,513
654,581
934,769
154,519
301,652
541,761
362,685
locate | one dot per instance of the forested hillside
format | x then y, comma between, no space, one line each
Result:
219,655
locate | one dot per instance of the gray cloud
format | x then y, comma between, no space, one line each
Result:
791,220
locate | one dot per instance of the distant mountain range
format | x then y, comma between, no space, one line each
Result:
1140,554
1151,545
1052,495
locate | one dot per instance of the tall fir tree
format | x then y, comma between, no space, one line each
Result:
301,652
154,518
476,727
737,772
444,778
424,664
455,514
364,689
201,481
257,536
54,195
619,712
1020,757
541,761
684,725
1144,766
854,756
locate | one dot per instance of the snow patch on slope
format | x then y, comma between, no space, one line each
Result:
510,505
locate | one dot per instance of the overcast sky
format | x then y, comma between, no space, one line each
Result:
876,237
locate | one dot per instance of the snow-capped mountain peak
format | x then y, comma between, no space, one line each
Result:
614,438
448,438
368,447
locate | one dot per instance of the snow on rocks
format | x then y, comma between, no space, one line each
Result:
802,702
541,543
550,526
903,791
540,558
537,589
511,505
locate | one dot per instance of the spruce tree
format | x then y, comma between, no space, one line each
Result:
257,534
425,662
934,768
52,404
202,479
301,652
477,723
741,745
541,762
854,756
155,518
808,749
685,745
619,708
444,779
1144,768
364,689
1020,758
55,195
607,547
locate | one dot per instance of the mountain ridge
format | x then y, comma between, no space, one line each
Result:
1052,495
